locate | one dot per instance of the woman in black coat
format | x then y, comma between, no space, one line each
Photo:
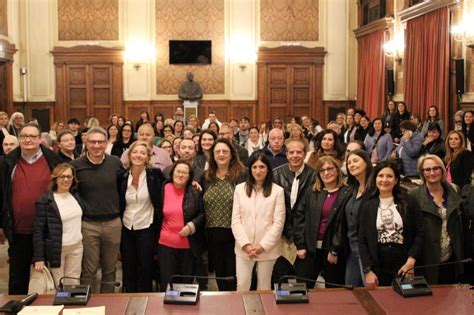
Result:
180,225
57,237
125,139
459,161
139,200
318,233
390,229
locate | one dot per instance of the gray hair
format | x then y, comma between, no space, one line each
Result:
94,130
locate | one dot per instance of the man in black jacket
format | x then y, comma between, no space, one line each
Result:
25,175
296,178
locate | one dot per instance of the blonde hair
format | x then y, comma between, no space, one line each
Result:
435,159
450,153
318,182
136,144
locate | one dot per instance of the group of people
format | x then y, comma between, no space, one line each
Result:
171,196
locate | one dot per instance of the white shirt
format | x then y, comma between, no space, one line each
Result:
71,216
139,210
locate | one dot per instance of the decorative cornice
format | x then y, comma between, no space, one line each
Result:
291,54
86,53
425,7
380,24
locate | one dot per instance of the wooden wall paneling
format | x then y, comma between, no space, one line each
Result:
29,108
332,108
6,56
166,108
220,107
134,108
244,108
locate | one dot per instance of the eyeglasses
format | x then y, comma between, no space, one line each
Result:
458,122
65,177
223,152
29,137
100,142
435,169
328,169
166,147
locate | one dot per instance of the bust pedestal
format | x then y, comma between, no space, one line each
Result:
190,108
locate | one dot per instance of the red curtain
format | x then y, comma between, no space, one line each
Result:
371,73
427,55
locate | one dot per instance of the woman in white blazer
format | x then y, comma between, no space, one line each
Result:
258,217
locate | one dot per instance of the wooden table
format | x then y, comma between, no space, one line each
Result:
456,300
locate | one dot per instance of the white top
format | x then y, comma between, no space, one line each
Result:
108,150
139,210
71,217
389,222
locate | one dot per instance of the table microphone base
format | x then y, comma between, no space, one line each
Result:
411,287
182,294
291,293
73,295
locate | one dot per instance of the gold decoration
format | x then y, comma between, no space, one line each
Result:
289,20
88,20
189,20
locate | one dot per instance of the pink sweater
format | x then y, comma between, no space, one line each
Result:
173,218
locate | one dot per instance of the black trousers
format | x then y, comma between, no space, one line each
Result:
282,268
316,262
221,244
391,258
136,248
20,253
175,261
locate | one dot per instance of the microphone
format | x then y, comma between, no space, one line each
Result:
186,294
345,286
61,284
418,286
170,282
462,261
16,306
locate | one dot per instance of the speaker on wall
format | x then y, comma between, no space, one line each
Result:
459,76
390,83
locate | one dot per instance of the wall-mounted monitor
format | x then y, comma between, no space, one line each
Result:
190,52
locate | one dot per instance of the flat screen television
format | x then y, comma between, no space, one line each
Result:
190,52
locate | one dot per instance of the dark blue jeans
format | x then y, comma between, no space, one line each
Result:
137,249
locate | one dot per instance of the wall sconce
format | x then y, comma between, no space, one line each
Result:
242,52
138,53
394,48
464,32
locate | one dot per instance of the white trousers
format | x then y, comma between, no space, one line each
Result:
244,273
71,264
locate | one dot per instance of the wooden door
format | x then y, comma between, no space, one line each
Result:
88,82
3,87
101,92
290,82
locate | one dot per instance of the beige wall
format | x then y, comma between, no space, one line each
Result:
34,29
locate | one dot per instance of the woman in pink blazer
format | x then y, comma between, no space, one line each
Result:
258,217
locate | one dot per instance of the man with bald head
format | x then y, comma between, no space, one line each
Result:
275,151
159,157
9,144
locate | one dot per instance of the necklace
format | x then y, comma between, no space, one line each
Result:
330,191
389,205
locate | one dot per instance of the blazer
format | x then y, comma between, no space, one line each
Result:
409,151
154,181
383,145
258,220
48,230
308,217
412,232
